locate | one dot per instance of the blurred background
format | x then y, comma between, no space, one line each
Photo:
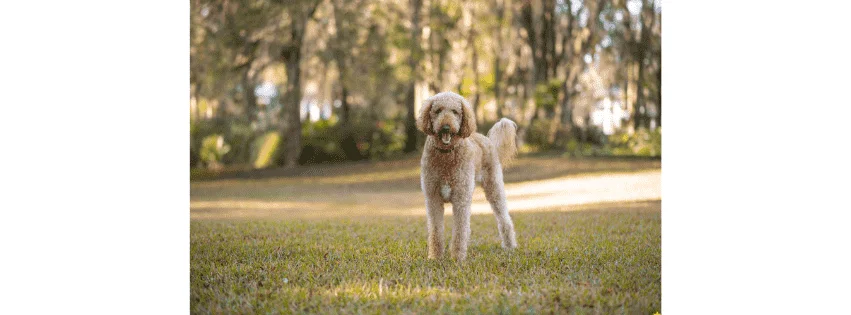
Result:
287,83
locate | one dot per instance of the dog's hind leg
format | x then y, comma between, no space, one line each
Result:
495,193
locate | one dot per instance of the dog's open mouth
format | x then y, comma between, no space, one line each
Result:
445,137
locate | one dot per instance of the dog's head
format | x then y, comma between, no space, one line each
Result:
447,116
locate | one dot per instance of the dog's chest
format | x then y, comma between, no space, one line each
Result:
447,167
445,191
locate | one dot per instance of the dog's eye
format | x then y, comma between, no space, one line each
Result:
455,112
438,111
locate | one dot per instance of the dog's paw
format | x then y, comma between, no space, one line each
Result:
509,245
459,256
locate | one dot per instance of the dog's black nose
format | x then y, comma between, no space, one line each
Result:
445,128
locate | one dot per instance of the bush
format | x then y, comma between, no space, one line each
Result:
213,148
387,139
536,135
546,94
321,142
236,134
641,143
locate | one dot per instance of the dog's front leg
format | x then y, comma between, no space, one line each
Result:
434,207
461,212
461,230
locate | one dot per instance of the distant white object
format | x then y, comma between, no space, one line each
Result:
608,115
265,92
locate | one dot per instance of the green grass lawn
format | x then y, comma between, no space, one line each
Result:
599,258
580,261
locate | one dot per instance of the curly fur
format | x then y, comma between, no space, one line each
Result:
455,157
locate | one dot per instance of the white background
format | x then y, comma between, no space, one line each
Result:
94,122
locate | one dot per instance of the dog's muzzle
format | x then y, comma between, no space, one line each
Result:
445,135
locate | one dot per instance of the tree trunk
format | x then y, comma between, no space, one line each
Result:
529,111
549,39
348,143
564,115
197,93
250,112
475,66
630,105
531,22
536,75
659,96
640,103
555,123
249,97
292,132
497,67
291,116
497,91
349,146
410,119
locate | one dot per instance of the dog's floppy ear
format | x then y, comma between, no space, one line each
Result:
424,121
468,119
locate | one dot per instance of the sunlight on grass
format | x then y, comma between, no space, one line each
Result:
347,202
389,290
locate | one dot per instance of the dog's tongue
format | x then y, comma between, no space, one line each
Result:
446,137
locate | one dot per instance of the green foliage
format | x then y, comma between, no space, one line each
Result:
321,142
466,87
213,148
576,148
239,43
265,148
486,82
546,94
387,139
240,136
536,135
641,143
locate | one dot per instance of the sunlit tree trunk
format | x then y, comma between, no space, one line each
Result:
474,64
413,62
497,60
291,54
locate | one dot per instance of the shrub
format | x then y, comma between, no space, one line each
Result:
387,139
641,143
536,135
321,142
213,148
546,94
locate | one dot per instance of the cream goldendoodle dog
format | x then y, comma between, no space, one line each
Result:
454,159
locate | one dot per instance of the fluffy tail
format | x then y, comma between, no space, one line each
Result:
502,135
